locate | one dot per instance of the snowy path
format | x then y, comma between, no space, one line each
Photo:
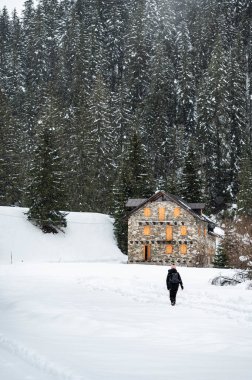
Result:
113,321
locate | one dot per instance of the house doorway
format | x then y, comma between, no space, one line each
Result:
147,252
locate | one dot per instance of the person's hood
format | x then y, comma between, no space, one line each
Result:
172,270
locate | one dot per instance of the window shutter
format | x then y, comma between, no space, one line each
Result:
176,212
147,230
169,249
147,212
183,230
169,233
183,249
161,214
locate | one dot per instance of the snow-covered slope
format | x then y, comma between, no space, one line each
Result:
88,237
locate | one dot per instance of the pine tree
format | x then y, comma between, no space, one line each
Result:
244,197
192,184
238,125
5,50
133,181
186,96
101,139
137,55
9,158
213,127
159,113
220,258
45,192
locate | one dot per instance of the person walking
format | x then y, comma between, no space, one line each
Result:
173,280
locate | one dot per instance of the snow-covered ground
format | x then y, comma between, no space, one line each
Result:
93,321
88,237
106,320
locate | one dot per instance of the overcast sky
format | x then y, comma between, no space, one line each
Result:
11,4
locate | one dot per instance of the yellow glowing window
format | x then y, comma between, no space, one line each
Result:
147,212
161,214
183,249
168,249
183,230
205,231
176,212
147,230
168,233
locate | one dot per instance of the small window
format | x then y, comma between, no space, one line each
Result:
169,249
161,214
183,249
147,230
147,212
183,230
168,233
176,212
205,231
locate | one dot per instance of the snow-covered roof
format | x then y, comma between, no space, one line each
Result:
134,202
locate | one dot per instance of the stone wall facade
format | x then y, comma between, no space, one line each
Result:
162,232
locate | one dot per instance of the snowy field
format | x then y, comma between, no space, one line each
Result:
93,321
102,319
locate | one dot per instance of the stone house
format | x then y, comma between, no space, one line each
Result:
165,229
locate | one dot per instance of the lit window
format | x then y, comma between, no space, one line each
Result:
147,230
169,249
183,249
161,214
147,212
183,230
168,233
176,212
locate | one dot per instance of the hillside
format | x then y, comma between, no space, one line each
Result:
88,237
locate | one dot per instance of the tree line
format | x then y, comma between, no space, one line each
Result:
126,97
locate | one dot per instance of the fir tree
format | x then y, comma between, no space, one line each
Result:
191,184
220,258
134,181
244,197
213,127
45,192
186,96
159,113
9,159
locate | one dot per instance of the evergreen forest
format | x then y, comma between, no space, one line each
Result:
135,96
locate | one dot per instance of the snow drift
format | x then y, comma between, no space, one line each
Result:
88,237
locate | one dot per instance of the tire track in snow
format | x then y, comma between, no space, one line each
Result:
35,360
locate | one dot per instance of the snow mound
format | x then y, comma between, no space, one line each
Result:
88,238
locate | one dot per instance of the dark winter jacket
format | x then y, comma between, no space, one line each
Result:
168,279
